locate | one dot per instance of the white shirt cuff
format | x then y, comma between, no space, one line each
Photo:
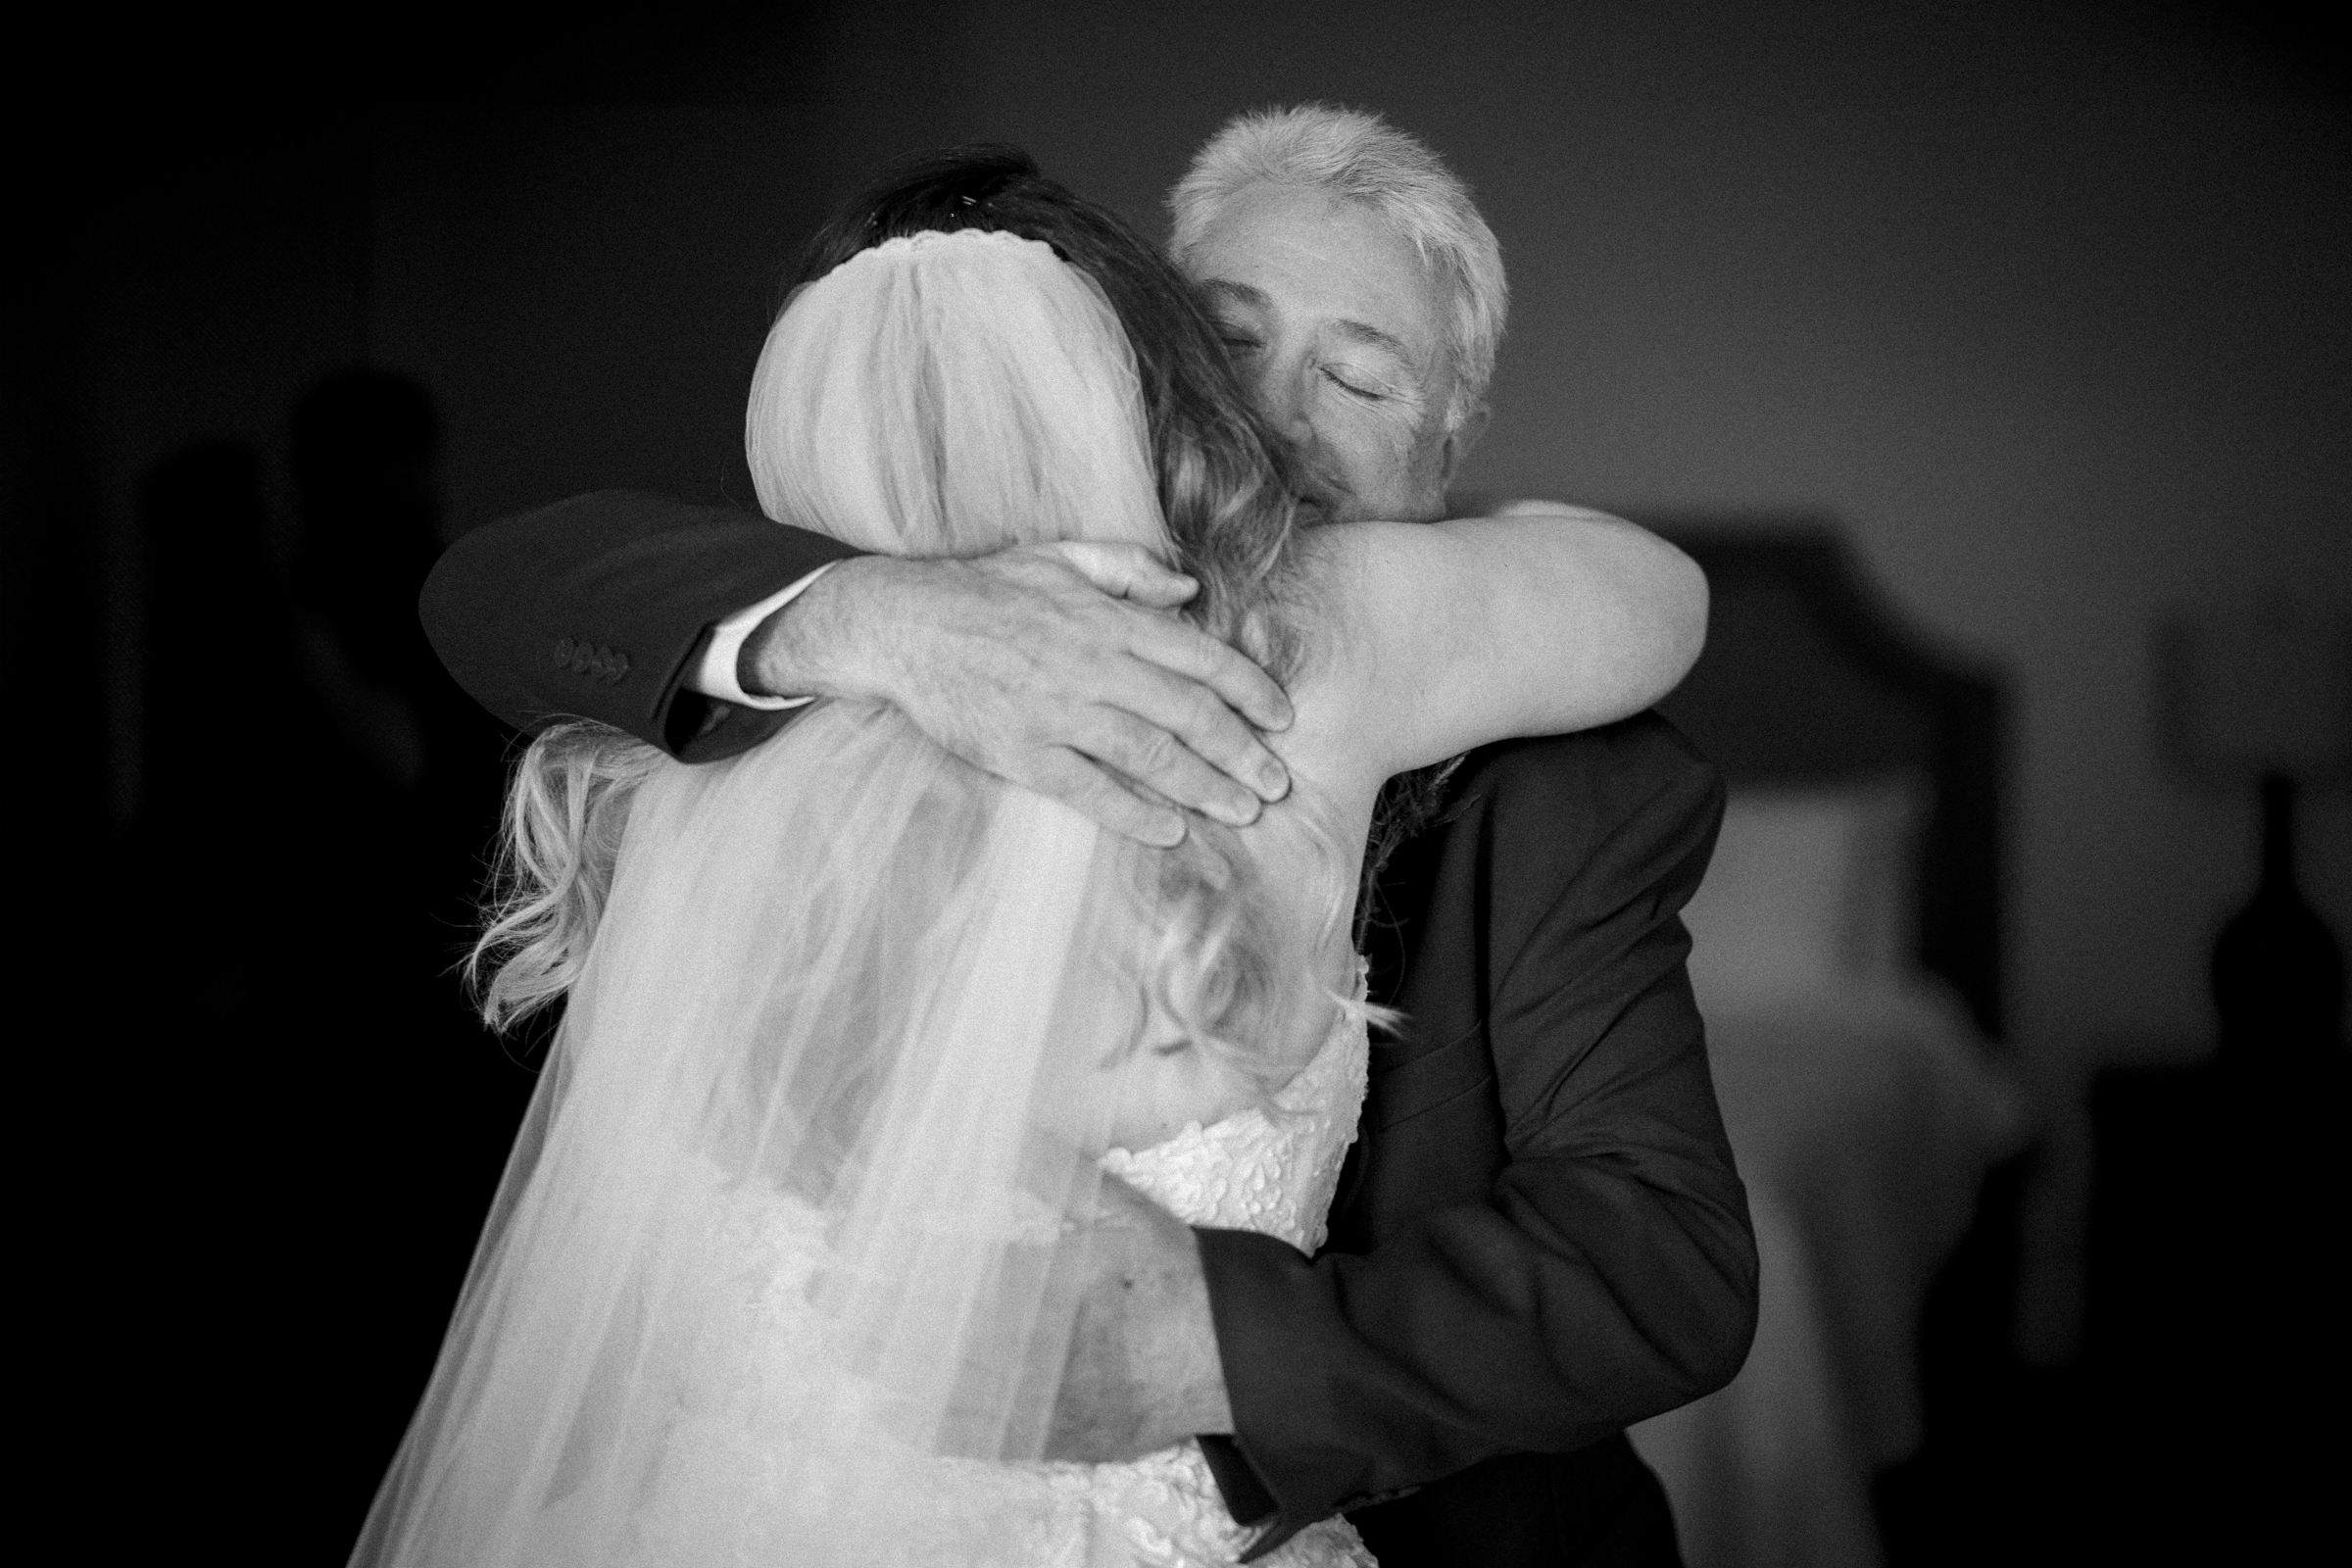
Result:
715,676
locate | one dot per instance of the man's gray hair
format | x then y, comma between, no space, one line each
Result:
1361,157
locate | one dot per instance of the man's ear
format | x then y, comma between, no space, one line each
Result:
1462,439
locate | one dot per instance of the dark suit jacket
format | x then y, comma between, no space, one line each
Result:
1540,1237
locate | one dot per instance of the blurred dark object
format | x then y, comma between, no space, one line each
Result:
2197,1424
2215,1356
407,759
1864,1131
216,795
214,618
315,805
2278,970
408,1110
2259,695
363,449
205,1030
1805,679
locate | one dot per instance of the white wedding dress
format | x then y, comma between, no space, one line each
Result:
727,1496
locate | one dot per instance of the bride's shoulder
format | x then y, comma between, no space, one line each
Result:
1542,509
1363,576
1358,578
1341,551
1351,596
1346,564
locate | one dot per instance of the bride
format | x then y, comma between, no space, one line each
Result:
789,1259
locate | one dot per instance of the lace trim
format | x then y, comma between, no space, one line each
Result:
902,247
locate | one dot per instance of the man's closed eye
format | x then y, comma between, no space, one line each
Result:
1355,386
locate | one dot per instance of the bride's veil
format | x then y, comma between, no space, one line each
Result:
781,1250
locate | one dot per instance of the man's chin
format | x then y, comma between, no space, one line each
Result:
1315,511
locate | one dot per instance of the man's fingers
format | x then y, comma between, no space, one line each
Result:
1192,718
1193,654
1131,716
1084,787
1128,571
1161,763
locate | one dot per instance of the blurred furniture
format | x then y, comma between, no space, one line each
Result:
2213,1346
1847,957
2258,694
2214,1356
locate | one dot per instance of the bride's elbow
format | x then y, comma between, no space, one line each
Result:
1667,625
1685,615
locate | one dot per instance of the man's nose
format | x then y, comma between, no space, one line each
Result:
1280,394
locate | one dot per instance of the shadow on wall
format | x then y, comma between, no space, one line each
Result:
317,800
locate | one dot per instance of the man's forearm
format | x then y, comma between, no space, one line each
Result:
1143,1369
821,643
1192,1370
1167,1336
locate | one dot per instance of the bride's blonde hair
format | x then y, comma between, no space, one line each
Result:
1213,950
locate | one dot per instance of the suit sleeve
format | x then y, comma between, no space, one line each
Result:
597,607
1607,1271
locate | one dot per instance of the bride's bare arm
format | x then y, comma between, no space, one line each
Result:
1446,636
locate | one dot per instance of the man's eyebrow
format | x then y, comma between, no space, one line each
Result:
1363,332
1373,337
1239,293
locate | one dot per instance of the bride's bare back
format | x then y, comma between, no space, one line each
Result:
1420,642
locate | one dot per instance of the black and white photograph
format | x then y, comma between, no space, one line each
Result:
1005,784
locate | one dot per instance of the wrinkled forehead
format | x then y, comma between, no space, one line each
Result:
1322,260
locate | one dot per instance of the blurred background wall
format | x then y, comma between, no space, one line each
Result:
2048,305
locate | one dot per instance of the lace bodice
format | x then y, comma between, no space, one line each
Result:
1271,1168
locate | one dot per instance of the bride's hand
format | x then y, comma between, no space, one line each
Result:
1052,665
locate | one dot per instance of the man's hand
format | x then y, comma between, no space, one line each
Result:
1144,1370
1053,666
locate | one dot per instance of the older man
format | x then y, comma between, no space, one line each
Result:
1540,1238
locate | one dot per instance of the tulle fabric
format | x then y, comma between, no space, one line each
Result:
950,395
851,1040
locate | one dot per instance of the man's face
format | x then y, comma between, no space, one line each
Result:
1338,331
